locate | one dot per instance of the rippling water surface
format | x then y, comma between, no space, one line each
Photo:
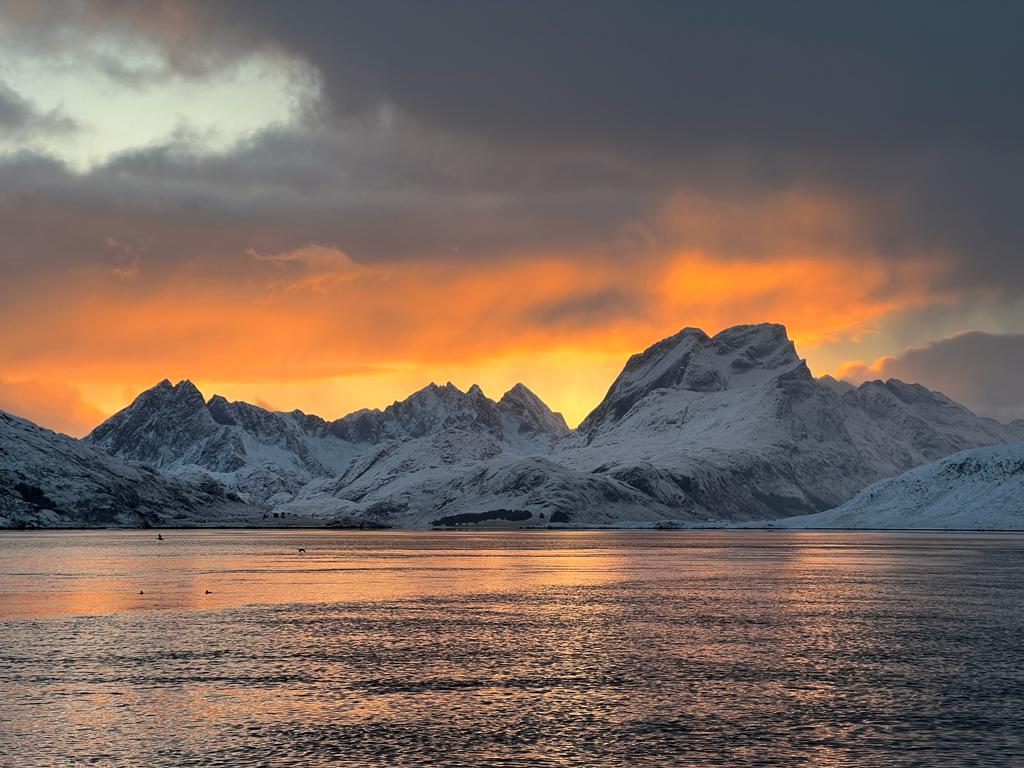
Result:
511,649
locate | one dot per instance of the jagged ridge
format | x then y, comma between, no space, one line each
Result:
696,427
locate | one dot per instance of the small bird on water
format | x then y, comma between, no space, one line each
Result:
302,551
141,592
159,537
209,592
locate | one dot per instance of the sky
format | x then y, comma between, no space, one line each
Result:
327,205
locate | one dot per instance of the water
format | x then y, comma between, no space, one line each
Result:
511,649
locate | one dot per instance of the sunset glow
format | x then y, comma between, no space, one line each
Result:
199,200
313,329
522,382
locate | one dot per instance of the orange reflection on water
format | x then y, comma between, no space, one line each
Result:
105,572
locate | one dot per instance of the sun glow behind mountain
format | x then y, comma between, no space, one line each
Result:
301,221
316,331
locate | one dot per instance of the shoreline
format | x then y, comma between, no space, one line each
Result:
496,529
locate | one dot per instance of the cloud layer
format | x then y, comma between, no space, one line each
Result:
502,191
981,370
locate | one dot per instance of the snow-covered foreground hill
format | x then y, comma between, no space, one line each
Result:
980,488
51,480
695,429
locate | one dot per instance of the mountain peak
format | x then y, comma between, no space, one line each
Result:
184,394
909,393
433,390
838,386
773,330
531,412
765,342
692,361
156,422
520,392
185,388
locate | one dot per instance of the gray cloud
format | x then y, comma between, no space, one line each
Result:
981,370
480,129
919,102
383,192
19,116
587,310
190,39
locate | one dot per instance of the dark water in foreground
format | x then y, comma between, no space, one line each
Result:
511,649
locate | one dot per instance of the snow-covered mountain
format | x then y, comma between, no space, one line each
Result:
980,488
260,453
700,428
695,428
51,480
271,456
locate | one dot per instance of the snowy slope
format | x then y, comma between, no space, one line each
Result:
425,445
980,488
257,452
696,428
735,427
51,480
271,456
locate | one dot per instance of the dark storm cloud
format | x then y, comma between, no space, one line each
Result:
982,370
681,76
915,99
478,128
15,112
380,193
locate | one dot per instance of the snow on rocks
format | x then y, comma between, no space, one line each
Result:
696,428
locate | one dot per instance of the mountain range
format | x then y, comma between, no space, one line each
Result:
696,429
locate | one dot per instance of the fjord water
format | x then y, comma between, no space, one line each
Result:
511,648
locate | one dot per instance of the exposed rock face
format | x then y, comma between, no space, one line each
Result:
166,425
529,413
266,454
693,362
695,428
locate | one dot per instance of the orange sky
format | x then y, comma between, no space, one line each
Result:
314,329
322,209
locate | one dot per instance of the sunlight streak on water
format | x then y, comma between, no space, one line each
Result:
508,649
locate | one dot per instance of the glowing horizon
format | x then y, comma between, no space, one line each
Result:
283,214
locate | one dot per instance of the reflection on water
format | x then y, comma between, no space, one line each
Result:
508,649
